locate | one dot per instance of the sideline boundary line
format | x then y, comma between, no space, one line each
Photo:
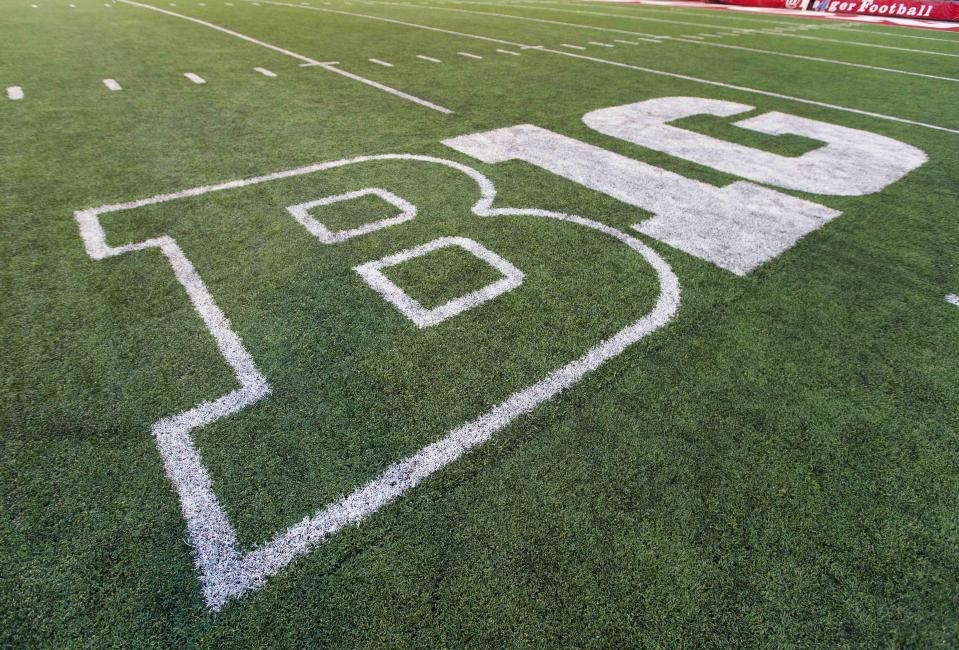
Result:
300,57
686,39
715,26
662,73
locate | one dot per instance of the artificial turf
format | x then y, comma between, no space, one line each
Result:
775,466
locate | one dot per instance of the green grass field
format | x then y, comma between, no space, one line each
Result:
773,460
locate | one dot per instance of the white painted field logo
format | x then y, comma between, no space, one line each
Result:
737,227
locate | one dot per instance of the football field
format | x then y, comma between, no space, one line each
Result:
476,324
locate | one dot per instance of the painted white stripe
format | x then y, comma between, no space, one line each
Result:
469,56
696,41
952,299
616,40
35,6
195,78
305,59
382,63
509,52
654,71
696,24
850,29
428,58
15,92
862,44
226,572
112,84
821,60
513,17
572,47
265,72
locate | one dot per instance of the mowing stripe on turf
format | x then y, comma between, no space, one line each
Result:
112,84
662,73
306,59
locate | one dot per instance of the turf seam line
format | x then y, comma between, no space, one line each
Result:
306,59
663,73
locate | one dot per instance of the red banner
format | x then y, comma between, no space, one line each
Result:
932,9
897,8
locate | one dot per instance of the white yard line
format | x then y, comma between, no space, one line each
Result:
852,30
428,58
819,59
14,93
265,72
694,40
860,43
300,57
382,63
508,52
112,84
654,71
469,56
195,78
715,26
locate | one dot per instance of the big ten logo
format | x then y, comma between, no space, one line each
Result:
393,314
